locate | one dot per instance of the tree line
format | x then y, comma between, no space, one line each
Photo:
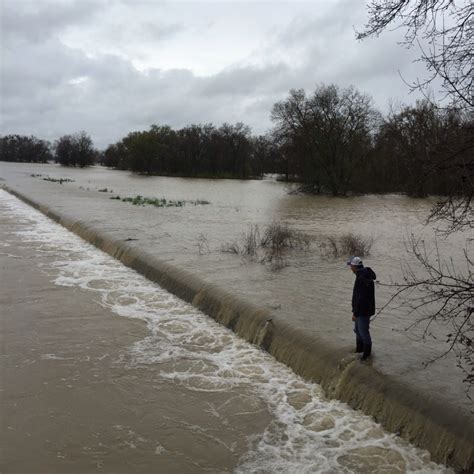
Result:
329,141
75,150
228,151
25,149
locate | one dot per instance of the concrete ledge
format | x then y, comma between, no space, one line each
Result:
399,408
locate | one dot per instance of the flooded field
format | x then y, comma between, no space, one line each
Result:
308,296
202,399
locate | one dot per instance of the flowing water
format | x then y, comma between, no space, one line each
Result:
312,291
305,432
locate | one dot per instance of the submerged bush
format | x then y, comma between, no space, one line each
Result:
269,245
346,245
278,235
203,245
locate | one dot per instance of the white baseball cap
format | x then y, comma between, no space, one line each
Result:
355,262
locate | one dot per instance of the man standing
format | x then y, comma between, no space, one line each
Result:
363,305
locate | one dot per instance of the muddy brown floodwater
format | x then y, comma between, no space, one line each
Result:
103,370
76,398
312,293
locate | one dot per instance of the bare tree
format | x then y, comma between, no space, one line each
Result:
75,150
443,30
444,291
423,143
325,134
442,294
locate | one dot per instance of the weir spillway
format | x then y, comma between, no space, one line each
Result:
402,403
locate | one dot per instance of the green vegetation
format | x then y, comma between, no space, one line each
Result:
158,202
58,180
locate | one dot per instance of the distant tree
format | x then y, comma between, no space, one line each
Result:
235,149
195,152
265,157
411,136
64,150
165,140
115,156
413,151
85,154
20,148
75,150
324,135
293,124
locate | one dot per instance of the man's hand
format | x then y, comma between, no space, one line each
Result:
353,318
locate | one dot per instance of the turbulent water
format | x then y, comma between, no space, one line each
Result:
307,432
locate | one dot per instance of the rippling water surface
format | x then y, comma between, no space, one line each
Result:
307,432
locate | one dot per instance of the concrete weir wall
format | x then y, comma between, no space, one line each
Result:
399,408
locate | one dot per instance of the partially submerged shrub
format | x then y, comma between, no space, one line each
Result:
231,247
269,245
250,241
279,236
202,245
346,245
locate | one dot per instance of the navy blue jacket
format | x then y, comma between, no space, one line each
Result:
363,296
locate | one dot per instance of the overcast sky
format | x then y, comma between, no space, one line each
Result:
114,66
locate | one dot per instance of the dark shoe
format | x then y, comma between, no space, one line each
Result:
364,357
367,350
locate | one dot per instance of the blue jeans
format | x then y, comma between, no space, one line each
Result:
361,329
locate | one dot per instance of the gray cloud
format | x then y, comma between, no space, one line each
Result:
49,88
38,21
246,80
150,32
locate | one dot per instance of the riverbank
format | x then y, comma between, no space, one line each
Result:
393,389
